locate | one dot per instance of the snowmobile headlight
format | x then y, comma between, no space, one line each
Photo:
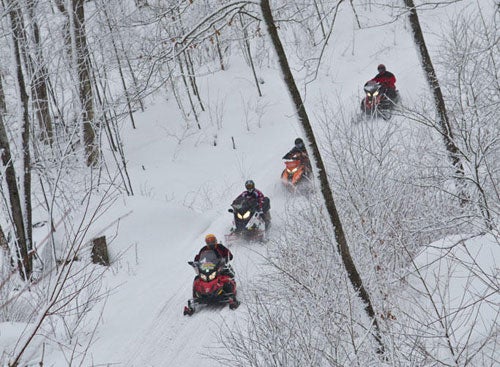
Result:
212,276
204,277
295,169
375,94
368,94
239,216
246,215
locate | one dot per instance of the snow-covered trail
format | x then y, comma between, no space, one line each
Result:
184,193
184,186
188,341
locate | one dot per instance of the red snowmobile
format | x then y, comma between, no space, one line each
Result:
213,285
377,102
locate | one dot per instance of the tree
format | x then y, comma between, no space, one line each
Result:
81,60
16,213
432,80
39,88
20,208
340,238
83,67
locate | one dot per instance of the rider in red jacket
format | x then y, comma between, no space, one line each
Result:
387,80
222,252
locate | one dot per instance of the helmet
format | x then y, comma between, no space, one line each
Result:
299,143
381,68
249,185
210,239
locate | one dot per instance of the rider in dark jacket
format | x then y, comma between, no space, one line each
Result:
262,201
299,152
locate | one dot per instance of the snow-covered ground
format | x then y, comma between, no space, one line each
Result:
184,184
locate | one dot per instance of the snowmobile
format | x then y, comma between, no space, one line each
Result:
293,174
247,223
376,103
212,286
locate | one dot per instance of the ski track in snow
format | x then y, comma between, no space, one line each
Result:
188,341
182,340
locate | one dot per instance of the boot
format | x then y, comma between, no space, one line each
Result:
233,303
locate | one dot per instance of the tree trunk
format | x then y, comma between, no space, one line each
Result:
22,245
120,69
100,251
249,54
4,244
85,85
430,74
26,246
340,239
39,84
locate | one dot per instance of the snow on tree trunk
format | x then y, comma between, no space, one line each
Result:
340,238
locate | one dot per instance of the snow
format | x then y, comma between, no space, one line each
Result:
184,184
453,274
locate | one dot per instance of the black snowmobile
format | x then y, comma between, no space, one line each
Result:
247,223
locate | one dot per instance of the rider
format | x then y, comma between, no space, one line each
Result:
299,152
387,80
262,201
222,252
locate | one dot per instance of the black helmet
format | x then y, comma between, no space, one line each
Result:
249,185
381,68
299,143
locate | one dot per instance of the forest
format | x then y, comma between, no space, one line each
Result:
116,113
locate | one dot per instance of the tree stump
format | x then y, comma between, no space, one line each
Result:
100,251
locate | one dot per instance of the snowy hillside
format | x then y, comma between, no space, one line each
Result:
185,178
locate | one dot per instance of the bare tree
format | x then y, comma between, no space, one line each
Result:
21,208
472,84
432,80
81,59
39,87
16,213
84,77
340,238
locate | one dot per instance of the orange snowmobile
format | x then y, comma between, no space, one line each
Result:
293,173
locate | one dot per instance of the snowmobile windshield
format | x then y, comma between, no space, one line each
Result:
243,204
371,87
208,257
